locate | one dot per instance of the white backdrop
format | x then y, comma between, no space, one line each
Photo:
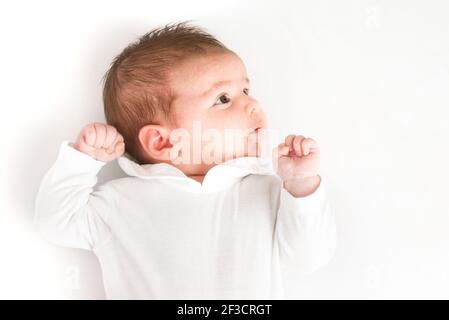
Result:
369,80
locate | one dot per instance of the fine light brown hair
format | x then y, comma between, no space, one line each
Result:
136,87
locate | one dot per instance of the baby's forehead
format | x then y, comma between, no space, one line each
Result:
202,73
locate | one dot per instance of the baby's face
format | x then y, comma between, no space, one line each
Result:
214,107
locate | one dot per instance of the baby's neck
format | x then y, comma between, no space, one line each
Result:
198,178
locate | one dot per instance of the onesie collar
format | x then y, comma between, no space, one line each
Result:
218,177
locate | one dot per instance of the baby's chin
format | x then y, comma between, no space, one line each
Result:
254,152
226,156
250,149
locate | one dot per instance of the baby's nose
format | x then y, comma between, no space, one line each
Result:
251,108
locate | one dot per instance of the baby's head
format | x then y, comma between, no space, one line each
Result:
178,95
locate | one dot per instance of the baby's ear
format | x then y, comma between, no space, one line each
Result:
155,141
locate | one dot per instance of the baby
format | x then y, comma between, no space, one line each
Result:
202,214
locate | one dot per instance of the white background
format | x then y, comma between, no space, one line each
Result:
369,80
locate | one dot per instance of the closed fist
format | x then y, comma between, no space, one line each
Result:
297,158
100,141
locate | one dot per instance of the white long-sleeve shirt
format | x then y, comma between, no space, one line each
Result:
159,234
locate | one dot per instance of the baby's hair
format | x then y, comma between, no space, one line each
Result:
136,90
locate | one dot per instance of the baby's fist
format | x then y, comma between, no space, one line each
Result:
296,161
100,141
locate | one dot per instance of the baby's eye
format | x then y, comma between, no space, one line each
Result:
246,91
223,99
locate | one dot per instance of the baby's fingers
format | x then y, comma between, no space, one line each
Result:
120,148
280,151
111,137
297,141
309,145
100,130
88,136
289,141
116,148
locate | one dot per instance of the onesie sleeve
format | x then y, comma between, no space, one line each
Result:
67,210
305,230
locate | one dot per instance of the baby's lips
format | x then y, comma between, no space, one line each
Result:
255,132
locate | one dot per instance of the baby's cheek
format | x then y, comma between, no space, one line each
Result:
234,122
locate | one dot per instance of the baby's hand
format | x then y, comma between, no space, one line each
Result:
297,163
100,141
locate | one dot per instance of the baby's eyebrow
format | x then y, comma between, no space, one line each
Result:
220,84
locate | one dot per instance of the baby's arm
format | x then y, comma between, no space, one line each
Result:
305,227
68,212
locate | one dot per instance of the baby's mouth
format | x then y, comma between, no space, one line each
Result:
255,135
256,130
